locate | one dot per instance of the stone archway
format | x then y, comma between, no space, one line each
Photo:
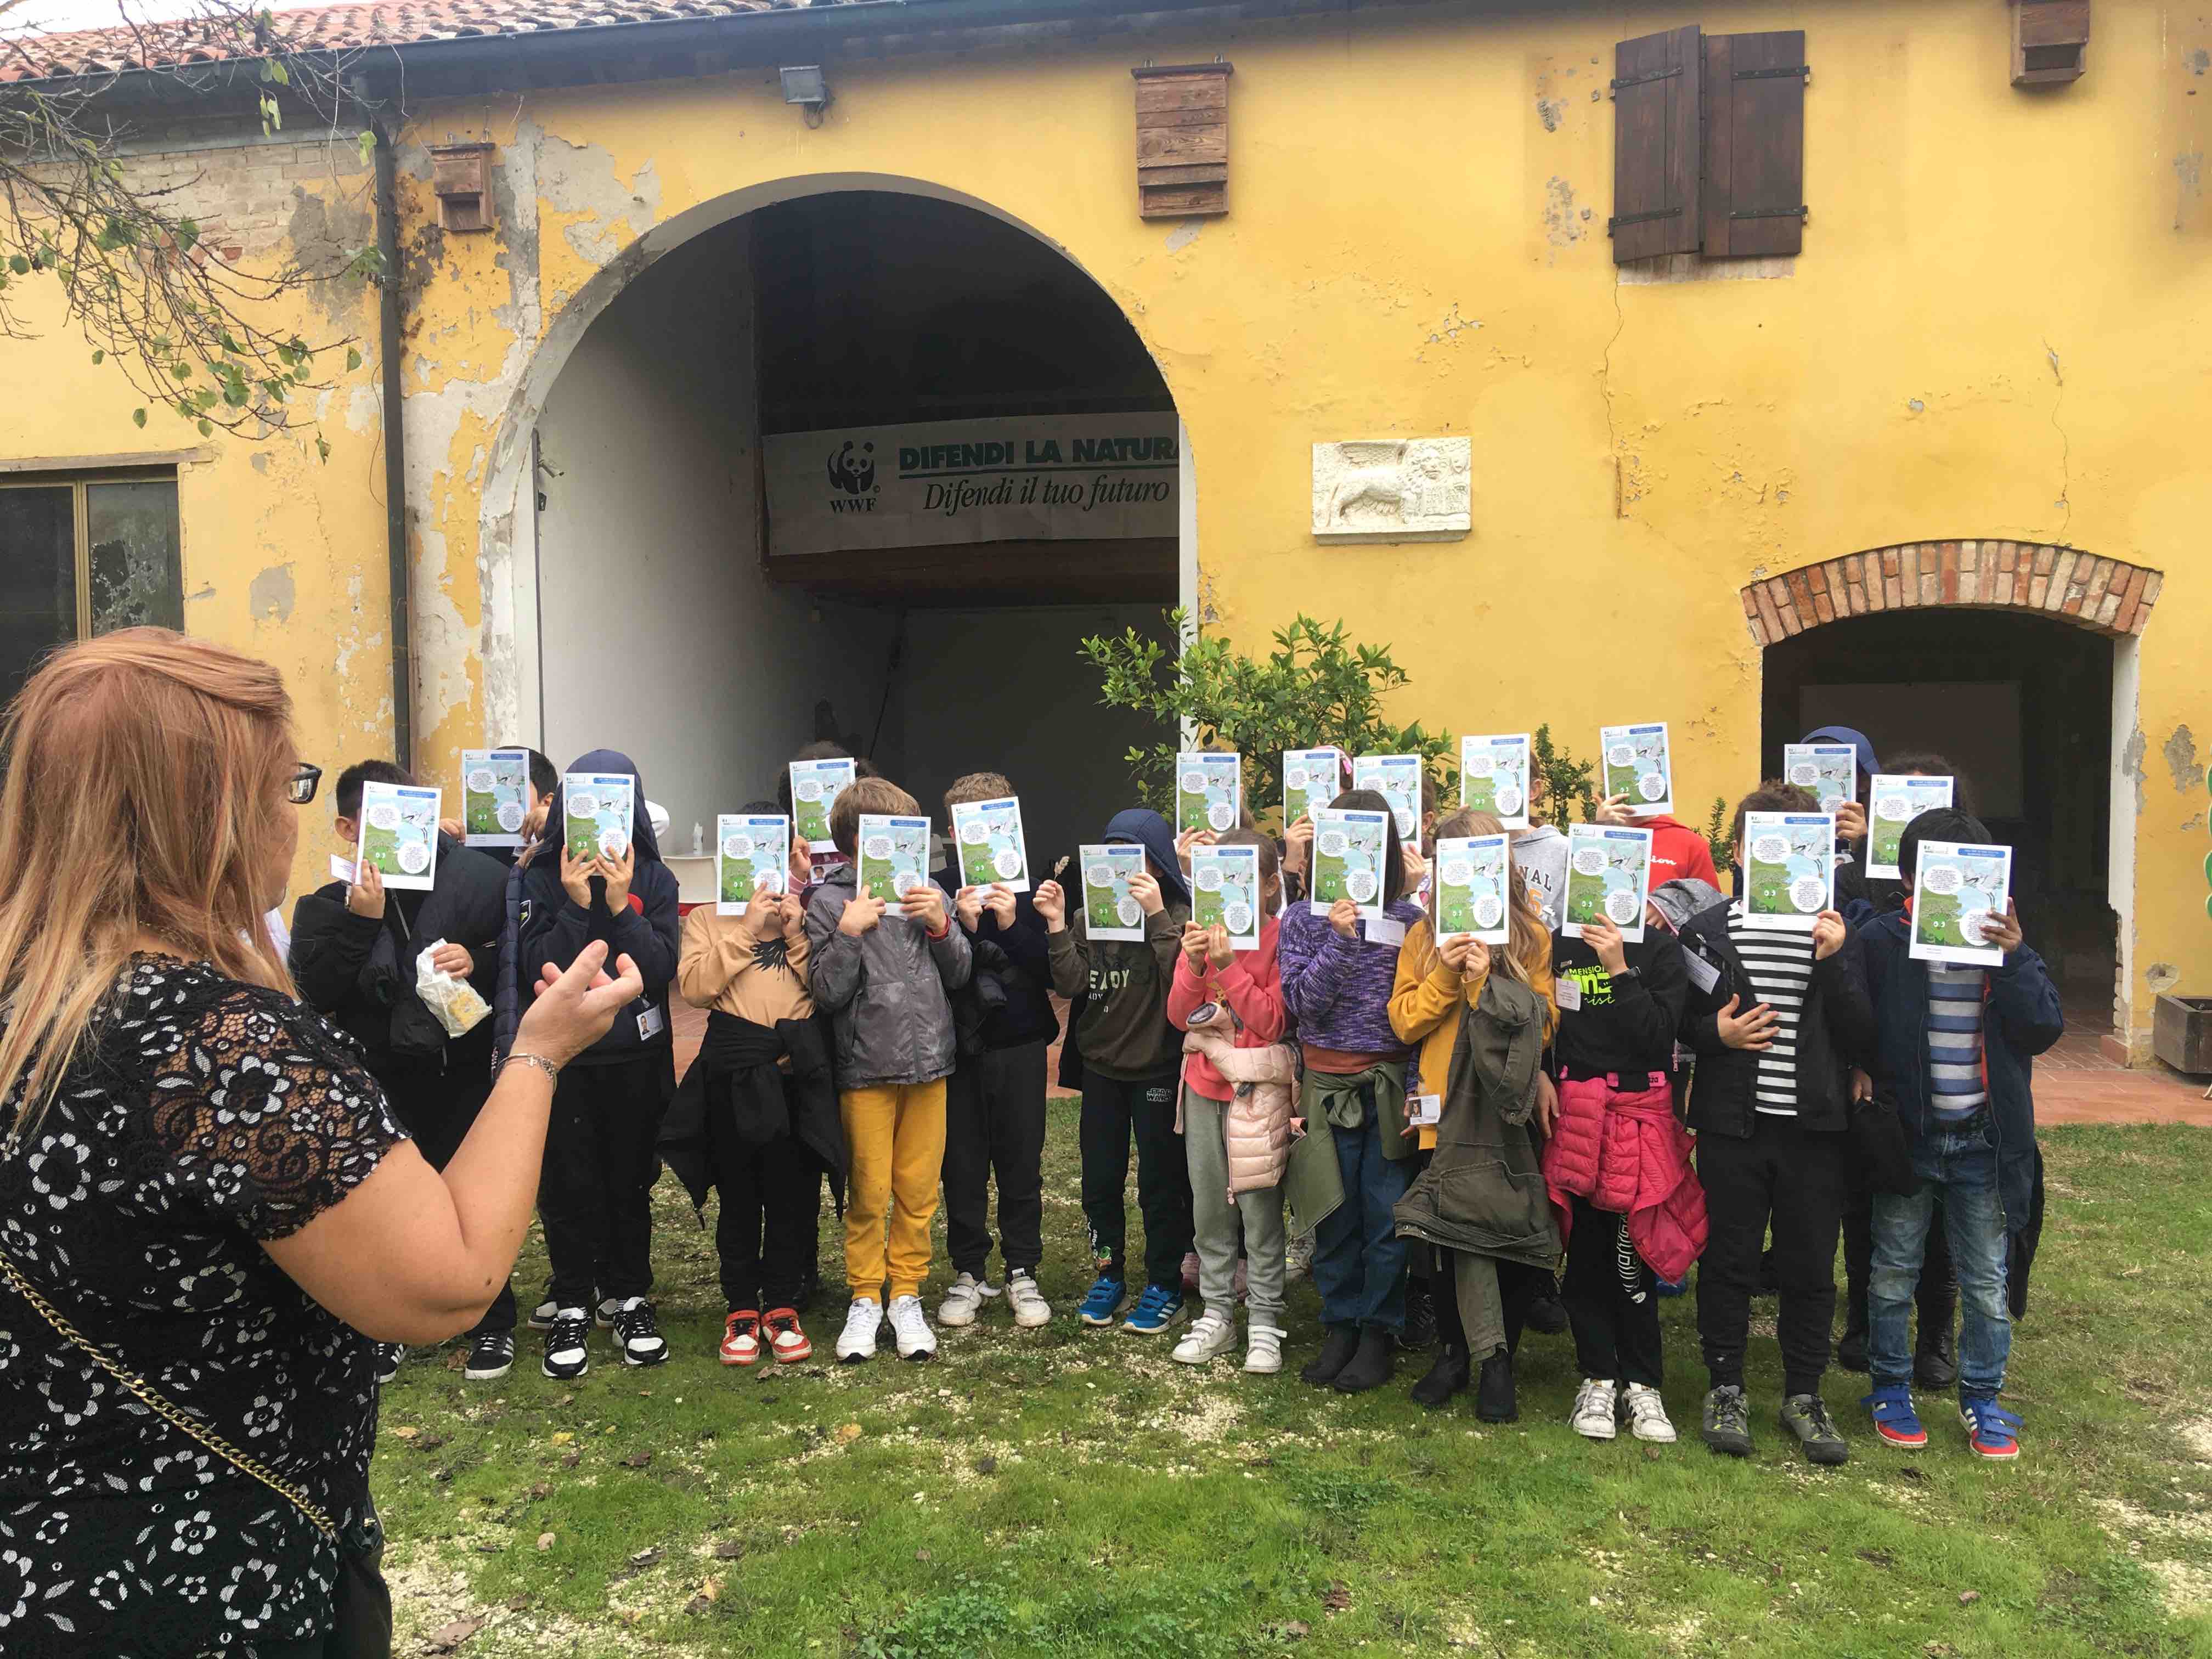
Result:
2107,596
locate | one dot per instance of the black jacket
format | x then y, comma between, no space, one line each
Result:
1835,1031
554,928
1007,1001
359,971
735,1087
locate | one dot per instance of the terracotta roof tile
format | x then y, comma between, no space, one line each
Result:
340,28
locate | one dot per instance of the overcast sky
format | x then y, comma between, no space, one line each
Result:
47,15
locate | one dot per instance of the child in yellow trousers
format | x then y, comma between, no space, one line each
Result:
885,977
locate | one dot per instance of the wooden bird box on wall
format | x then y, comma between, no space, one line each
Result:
1182,140
460,176
2050,42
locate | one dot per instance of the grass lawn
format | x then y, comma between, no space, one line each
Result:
1070,1492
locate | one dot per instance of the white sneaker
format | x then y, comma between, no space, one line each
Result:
962,1302
1647,1415
1592,1417
1263,1350
1031,1309
910,1328
857,1341
1209,1336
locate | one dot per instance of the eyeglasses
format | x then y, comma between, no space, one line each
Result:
302,789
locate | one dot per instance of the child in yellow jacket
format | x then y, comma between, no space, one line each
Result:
1434,987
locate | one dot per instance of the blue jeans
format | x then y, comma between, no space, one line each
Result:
1360,1261
1960,1165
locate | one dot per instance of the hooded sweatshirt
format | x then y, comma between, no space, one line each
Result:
1541,855
1856,896
552,928
1123,1034
1678,851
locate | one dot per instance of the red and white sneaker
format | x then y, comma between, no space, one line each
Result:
785,1340
741,1338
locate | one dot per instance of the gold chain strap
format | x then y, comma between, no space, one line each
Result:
170,1414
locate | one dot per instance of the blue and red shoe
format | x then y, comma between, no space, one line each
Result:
1991,1430
1894,1420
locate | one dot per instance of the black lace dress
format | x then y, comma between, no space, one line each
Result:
205,1115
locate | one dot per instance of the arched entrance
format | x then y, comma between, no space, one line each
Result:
858,461
2016,661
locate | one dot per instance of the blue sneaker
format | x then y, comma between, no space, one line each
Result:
1991,1430
1895,1422
1159,1307
1104,1302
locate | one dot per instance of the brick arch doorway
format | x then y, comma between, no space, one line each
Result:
2016,660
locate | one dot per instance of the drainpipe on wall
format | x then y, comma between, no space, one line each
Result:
395,448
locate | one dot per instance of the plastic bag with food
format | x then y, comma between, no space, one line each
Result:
454,1001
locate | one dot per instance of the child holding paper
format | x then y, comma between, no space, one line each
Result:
1955,1048
756,1115
1618,1167
821,861
1778,1016
1936,1349
995,1099
886,980
1338,970
1480,1300
1217,986
595,1196
1131,1058
353,955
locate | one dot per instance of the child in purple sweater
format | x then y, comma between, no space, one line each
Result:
1337,971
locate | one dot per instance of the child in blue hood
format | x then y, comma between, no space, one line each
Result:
1131,1076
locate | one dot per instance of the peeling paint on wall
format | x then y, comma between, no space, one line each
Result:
2131,765
272,594
2181,761
2162,977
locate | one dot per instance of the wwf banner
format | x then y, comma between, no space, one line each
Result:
1047,478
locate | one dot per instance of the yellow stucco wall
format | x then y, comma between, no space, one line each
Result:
1998,329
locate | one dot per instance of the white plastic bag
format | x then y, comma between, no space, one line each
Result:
455,1001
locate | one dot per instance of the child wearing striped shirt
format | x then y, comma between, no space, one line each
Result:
1955,1050
1778,1016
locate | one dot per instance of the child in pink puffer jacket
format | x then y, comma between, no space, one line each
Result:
1236,1127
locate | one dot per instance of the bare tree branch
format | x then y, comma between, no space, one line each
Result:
190,328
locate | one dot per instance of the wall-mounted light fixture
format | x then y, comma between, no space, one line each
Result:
804,85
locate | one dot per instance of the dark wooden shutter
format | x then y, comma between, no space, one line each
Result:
1654,145
1754,187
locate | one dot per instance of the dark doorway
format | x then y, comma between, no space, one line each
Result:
2022,707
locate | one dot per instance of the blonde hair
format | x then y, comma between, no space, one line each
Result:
144,781
1528,952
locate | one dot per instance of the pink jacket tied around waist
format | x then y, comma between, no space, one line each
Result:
1256,1121
1625,1153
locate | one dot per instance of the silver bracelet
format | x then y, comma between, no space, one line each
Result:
552,1072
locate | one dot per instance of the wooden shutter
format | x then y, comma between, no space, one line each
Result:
1182,140
1755,187
1656,172
2050,42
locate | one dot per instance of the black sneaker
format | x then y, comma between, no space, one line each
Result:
1805,1416
638,1333
541,1315
1726,1424
385,1365
1547,1314
1936,1367
490,1356
567,1356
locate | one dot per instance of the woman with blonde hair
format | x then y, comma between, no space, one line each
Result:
1480,1297
195,1172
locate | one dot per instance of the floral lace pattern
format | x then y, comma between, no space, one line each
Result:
204,1116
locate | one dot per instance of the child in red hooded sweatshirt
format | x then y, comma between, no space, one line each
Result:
1677,850
1209,978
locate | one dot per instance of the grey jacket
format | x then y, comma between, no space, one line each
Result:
888,992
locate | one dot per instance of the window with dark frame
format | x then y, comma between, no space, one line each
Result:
1709,144
81,555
